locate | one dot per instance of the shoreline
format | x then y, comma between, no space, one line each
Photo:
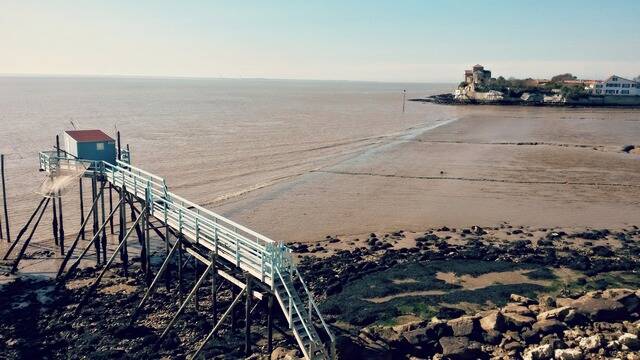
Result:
447,99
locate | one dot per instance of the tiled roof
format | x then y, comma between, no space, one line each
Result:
88,135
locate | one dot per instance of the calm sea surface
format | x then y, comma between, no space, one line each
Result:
212,139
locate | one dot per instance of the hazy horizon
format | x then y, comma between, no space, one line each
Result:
410,41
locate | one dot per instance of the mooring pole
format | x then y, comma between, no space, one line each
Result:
270,324
247,314
81,208
4,199
54,221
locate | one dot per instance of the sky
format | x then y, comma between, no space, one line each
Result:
399,41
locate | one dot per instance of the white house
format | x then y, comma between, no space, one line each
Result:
615,85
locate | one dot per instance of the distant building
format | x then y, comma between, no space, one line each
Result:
477,75
616,85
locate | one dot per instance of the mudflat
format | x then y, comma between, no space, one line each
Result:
522,165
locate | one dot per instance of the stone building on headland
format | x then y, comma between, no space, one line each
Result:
477,75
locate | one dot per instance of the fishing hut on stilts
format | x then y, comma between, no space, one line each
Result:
258,269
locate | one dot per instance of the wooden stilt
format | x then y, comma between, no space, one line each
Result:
4,198
147,253
54,222
81,208
95,238
60,223
186,301
195,276
149,292
103,239
270,324
214,290
94,215
28,240
229,310
234,320
94,286
124,252
24,228
180,293
111,207
247,313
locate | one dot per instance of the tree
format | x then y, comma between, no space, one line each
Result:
563,77
637,78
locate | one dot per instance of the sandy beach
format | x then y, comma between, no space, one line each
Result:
525,166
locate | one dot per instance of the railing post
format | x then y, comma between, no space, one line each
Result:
197,231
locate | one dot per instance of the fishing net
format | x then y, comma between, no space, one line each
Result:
57,181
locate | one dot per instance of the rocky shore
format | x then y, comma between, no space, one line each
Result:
505,292
449,99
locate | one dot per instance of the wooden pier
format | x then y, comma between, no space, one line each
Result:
258,268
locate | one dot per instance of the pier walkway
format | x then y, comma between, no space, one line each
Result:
256,255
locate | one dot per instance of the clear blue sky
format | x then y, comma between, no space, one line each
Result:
352,40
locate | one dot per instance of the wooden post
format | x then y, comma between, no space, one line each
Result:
61,221
214,290
270,324
195,275
104,230
94,215
111,207
54,221
4,199
247,314
180,294
26,242
124,253
234,321
81,208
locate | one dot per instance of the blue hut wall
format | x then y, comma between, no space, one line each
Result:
99,150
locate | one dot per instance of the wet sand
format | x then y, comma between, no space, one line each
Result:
533,166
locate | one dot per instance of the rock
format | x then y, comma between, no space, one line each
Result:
626,297
522,299
493,320
468,326
630,340
568,354
591,343
492,337
541,352
562,301
558,313
598,309
518,321
546,302
460,348
517,309
602,251
549,326
281,353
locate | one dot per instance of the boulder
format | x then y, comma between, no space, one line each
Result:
557,313
549,326
546,302
460,348
468,326
517,309
281,353
591,343
630,340
540,352
493,321
522,299
517,321
626,297
598,309
568,354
